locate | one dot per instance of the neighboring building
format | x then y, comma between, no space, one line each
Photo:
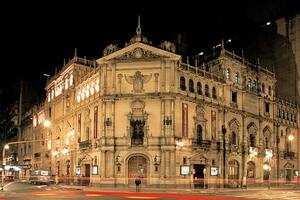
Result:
288,54
140,112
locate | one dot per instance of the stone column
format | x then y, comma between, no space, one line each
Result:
156,82
120,76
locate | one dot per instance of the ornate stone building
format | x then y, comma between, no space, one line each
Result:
140,112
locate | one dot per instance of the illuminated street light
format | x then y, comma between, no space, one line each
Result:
291,137
180,144
6,146
268,23
47,123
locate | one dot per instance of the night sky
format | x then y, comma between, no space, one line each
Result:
36,38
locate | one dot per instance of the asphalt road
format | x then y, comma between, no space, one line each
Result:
25,191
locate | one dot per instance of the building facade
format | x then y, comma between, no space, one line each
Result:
140,112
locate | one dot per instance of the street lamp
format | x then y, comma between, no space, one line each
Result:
291,137
267,168
224,152
5,147
47,123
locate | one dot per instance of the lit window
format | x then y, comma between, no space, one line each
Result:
78,97
92,88
97,85
66,83
87,90
34,121
228,75
71,80
49,97
52,94
249,83
237,78
82,93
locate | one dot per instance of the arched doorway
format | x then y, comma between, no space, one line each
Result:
233,173
137,168
250,173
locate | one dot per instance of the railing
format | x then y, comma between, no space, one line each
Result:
202,144
288,154
85,144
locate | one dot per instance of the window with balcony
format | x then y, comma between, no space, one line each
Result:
237,78
191,85
252,140
137,132
234,97
267,107
199,88
214,93
182,83
206,90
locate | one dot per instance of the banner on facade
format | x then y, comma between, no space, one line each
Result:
184,120
79,127
213,125
96,122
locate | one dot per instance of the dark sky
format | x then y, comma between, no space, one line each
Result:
37,37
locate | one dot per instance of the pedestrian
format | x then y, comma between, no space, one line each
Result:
137,184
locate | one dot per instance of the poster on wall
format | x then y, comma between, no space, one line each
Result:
213,125
95,170
184,120
214,171
184,170
78,170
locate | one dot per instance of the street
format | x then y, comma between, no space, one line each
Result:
27,191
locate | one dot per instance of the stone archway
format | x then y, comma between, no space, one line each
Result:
250,173
233,173
137,168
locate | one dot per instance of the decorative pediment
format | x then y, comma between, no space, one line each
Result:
138,53
199,158
234,125
288,165
252,128
135,51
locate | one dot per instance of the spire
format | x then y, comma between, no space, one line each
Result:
139,30
222,47
75,52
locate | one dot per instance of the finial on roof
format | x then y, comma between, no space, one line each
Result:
64,61
75,52
258,64
139,30
222,47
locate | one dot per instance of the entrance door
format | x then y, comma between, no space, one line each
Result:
137,168
87,173
198,176
288,177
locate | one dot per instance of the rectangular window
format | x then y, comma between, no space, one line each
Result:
50,112
267,107
234,97
79,127
184,120
96,122
213,125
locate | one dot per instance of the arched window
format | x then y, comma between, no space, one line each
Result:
279,113
249,84
266,143
263,88
270,91
237,78
206,90
233,138
214,93
182,83
199,134
252,140
228,75
253,85
199,88
191,85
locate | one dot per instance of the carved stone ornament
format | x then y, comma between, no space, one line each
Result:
138,53
110,49
169,46
138,80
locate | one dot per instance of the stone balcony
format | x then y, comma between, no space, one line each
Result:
202,144
85,144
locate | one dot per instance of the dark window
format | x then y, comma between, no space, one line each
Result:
137,131
263,87
199,134
184,160
252,140
267,107
214,93
206,90
50,112
270,91
199,88
191,85
234,97
266,143
279,113
182,83
233,138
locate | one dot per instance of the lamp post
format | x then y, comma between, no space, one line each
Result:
267,168
224,153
